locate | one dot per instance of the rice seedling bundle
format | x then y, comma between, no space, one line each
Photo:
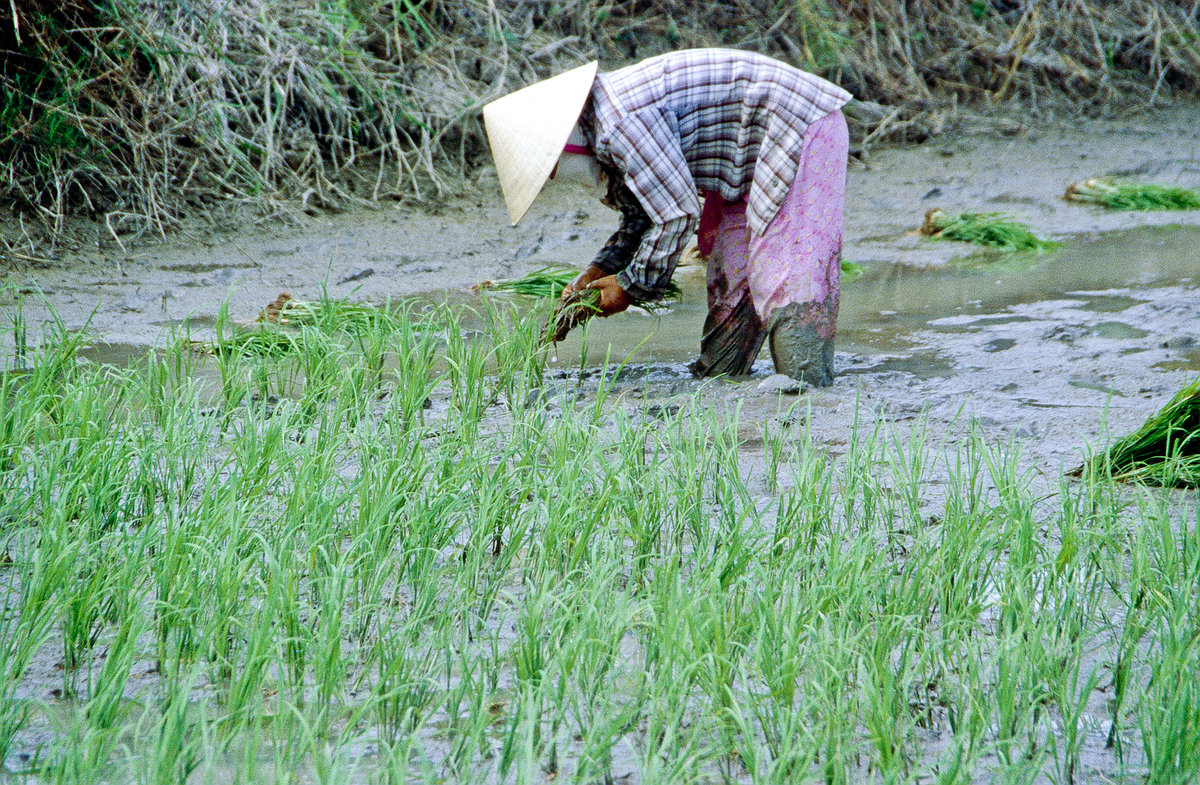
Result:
331,315
1165,450
549,282
260,342
1120,194
267,336
991,230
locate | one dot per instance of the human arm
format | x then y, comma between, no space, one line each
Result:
657,184
618,251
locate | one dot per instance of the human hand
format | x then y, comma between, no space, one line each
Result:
600,297
613,299
582,281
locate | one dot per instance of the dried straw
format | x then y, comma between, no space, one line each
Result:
142,113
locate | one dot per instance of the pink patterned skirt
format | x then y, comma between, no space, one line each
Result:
785,281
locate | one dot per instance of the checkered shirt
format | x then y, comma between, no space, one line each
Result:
679,124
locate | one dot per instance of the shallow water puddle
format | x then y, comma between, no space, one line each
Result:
882,312
887,314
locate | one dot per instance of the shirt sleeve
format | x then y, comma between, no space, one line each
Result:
620,248
645,146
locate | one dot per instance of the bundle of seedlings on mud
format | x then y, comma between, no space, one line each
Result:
328,314
259,341
1121,194
991,230
274,333
1165,451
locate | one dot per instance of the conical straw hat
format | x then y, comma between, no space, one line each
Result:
527,130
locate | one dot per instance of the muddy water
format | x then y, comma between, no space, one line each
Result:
888,311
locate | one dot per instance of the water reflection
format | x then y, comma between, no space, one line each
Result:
881,311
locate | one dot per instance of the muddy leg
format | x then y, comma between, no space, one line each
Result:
731,341
733,330
801,339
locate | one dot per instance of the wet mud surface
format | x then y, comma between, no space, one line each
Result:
1050,353
1051,349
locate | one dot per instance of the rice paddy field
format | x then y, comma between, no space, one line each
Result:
403,551
378,540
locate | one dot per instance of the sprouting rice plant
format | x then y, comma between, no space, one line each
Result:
1120,194
992,230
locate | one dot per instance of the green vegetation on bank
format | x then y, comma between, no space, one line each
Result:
405,555
140,113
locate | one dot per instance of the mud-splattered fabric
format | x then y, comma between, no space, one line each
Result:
794,262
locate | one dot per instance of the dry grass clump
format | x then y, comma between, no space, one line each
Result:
139,113
142,112
1121,194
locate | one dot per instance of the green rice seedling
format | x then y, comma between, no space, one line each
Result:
415,351
22,634
95,730
517,350
1164,451
405,686
547,283
1122,194
850,271
244,673
175,733
908,462
859,492
991,230
1170,705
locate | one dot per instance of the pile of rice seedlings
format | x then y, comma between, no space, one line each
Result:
1164,451
262,341
991,230
268,337
328,314
1120,194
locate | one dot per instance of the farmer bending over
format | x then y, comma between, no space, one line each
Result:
745,151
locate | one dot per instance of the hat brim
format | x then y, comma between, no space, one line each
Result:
527,129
